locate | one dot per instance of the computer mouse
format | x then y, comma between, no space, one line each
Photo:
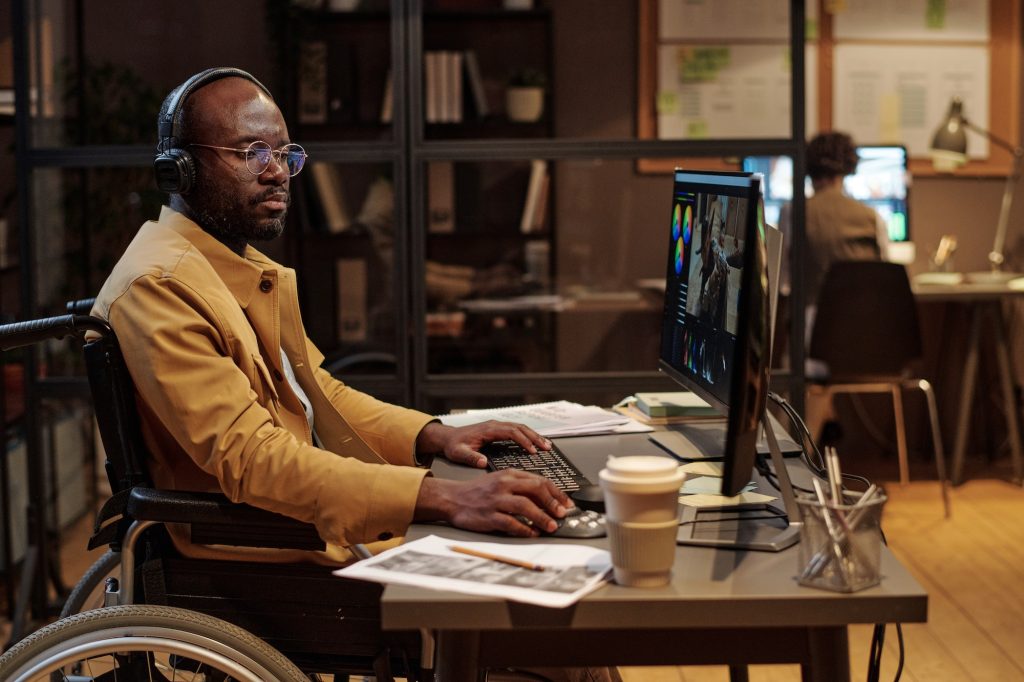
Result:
589,497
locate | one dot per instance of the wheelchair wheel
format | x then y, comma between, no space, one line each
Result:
88,592
153,643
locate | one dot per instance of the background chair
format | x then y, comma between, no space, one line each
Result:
866,332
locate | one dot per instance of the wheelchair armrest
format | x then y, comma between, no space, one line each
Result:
214,519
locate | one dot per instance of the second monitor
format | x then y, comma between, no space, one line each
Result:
881,181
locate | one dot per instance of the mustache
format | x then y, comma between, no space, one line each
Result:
273,194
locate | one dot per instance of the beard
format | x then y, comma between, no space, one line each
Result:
233,219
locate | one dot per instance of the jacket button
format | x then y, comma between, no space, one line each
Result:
385,536
277,375
266,285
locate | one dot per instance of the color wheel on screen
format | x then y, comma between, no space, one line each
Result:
679,256
687,224
675,222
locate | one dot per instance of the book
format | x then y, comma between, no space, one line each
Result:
387,105
352,300
454,90
329,189
538,171
431,89
552,419
440,197
312,98
475,83
673,404
635,414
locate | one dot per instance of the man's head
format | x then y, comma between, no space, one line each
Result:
830,156
205,131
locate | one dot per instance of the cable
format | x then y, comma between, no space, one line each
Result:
804,436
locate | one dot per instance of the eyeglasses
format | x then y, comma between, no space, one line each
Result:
259,154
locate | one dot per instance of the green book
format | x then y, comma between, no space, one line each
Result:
673,404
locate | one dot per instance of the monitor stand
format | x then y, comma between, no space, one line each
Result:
761,527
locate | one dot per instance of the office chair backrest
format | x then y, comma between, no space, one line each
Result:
866,323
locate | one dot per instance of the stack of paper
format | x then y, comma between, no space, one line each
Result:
703,486
560,575
558,418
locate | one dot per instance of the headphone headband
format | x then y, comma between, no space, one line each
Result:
175,169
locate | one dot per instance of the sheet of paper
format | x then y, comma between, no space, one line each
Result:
913,20
553,419
703,500
570,571
711,485
900,93
708,91
702,469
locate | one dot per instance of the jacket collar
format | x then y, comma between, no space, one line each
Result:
241,275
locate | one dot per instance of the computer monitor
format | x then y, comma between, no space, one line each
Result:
715,337
880,181
716,342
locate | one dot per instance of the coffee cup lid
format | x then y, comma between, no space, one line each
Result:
640,468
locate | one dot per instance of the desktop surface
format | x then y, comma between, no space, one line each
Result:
716,598
728,588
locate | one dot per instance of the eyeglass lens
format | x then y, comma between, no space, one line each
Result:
259,154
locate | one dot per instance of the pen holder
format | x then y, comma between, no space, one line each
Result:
840,544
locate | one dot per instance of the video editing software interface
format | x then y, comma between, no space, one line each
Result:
880,181
703,279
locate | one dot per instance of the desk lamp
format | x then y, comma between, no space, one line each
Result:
949,151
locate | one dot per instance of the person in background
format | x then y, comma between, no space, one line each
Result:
838,226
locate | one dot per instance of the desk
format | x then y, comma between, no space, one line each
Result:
722,607
985,302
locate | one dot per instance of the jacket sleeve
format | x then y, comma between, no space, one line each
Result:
389,429
182,355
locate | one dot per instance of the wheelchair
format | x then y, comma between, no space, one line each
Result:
161,616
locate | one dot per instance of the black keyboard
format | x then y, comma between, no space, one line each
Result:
551,464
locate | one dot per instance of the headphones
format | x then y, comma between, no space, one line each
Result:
174,166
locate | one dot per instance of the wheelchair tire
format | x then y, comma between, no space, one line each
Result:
88,591
148,643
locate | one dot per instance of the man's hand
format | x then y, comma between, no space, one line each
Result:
492,502
462,444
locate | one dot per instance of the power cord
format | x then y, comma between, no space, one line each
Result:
807,446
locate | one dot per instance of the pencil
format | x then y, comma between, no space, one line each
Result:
494,557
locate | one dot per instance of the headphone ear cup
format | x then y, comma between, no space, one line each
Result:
175,171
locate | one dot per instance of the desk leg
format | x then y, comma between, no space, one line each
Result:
966,394
830,656
1006,381
458,657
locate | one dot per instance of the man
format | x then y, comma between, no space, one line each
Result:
230,392
838,226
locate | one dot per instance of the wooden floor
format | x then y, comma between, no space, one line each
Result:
972,566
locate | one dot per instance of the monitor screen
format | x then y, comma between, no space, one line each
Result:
714,336
881,181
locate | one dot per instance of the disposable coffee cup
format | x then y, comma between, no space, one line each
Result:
641,499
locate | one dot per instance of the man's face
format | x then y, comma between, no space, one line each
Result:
228,200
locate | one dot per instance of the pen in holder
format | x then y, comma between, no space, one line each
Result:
840,543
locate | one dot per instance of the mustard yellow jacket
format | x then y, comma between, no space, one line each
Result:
218,414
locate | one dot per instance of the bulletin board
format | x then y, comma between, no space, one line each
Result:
881,70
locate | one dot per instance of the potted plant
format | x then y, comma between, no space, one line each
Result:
524,96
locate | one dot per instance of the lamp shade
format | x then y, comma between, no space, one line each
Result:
949,145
